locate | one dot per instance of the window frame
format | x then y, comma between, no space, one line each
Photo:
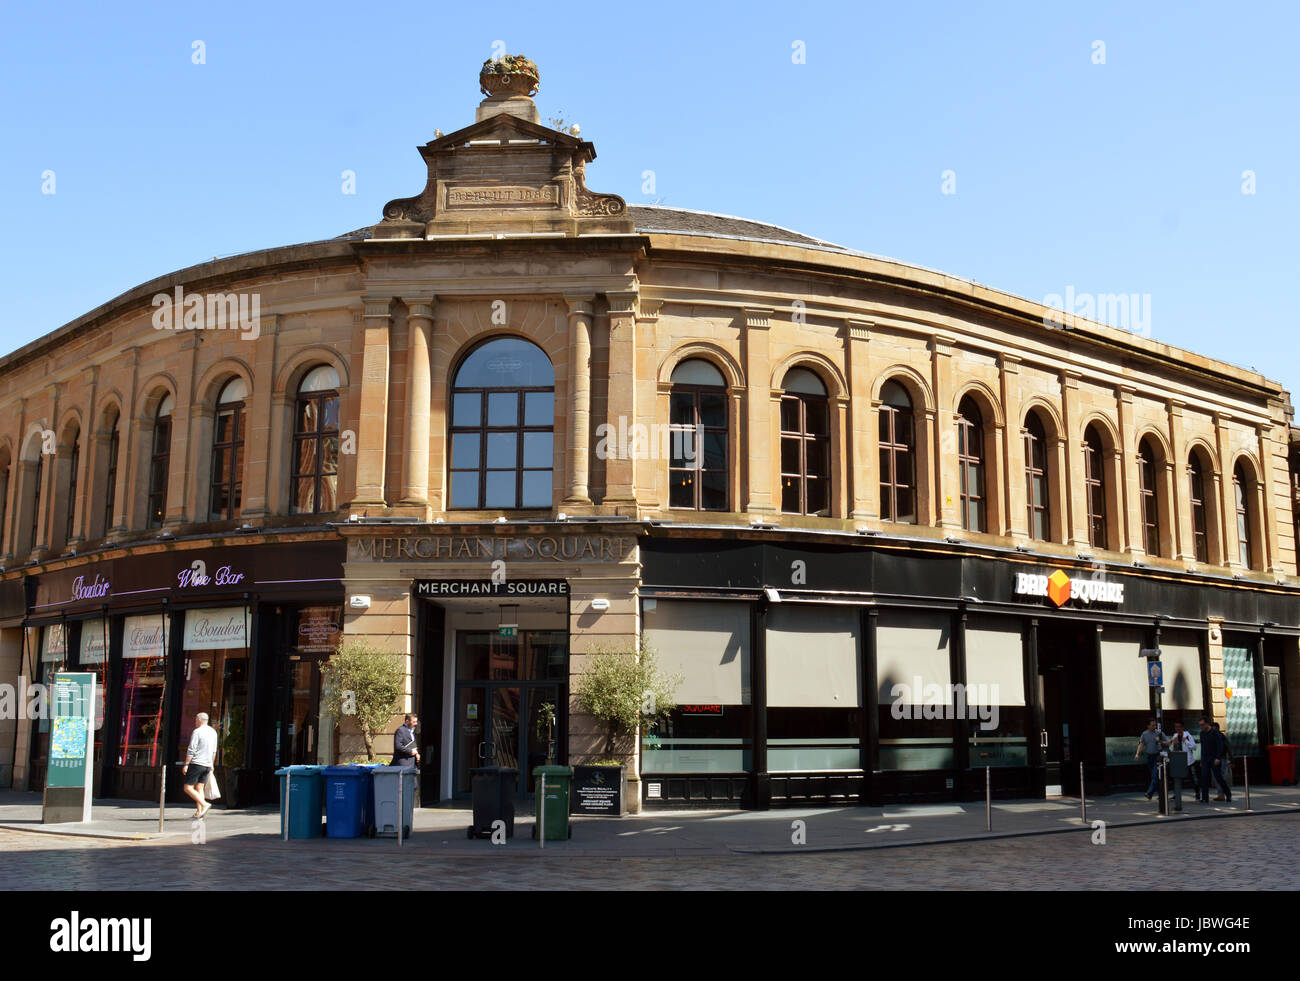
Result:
1243,489
110,474
233,484
804,438
319,436
156,514
1149,494
890,422
698,431
1094,478
71,518
1200,513
1035,440
966,461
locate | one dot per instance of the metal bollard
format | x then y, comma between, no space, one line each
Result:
988,798
1083,796
541,814
287,798
401,811
162,796
1164,787
1245,772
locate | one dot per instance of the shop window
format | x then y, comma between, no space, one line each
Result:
1094,468
897,455
805,444
228,452
699,454
708,644
912,671
1243,489
214,680
1150,498
144,676
53,646
995,693
110,478
1200,519
1126,699
316,442
502,427
814,713
92,657
1037,490
160,463
970,464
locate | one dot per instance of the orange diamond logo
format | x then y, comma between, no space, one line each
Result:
1058,587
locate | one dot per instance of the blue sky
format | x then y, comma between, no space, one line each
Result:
1122,177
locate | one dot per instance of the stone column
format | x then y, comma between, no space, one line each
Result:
13,503
1017,503
1227,500
372,427
760,467
947,478
863,445
577,453
1130,482
190,459
1218,704
1180,500
415,445
1074,477
1270,554
260,465
620,468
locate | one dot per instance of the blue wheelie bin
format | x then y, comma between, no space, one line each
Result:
349,801
306,794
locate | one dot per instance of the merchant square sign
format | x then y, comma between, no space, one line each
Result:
489,548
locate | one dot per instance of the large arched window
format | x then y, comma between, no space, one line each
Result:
1150,498
805,444
698,460
1242,489
1200,517
110,476
1094,469
1037,477
228,452
897,455
316,442
70,488
970,464
503,427
160,462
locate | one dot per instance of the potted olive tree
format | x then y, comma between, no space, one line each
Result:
622,690
365,684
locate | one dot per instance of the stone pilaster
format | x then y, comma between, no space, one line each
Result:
1074,477
1130,539
372,424
947,480
620,468
760,465
258,471
1017,503
1180,500
1227,501
863,444
1270,553
415,445
577,453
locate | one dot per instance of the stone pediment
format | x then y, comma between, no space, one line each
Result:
505,175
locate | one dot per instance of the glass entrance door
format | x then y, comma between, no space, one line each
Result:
297,738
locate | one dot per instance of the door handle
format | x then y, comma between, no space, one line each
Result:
1042,739
481,754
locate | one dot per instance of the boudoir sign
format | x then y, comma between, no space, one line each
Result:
216,630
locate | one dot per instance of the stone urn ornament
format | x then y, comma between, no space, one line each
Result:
508,76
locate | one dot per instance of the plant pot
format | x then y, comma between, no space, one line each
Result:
498,84
599,791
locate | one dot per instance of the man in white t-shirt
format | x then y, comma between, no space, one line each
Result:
199,761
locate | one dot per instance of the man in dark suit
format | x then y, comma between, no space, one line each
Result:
1213,751
404,749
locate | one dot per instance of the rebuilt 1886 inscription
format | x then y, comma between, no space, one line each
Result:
496,196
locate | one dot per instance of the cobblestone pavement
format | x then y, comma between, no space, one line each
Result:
1246,854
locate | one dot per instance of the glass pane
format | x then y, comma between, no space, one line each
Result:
790,415
503,408
538,449
471,744
466,408
502,449
974,480
713,410
303,496
682,448
681,409
464,490
330,461
500,489
331,414
225,421
790,495
817,494
506,362
539,409
220,466
306,415
329,485
715,451
817,456
713,490
904,430
817,417
537,488
681,489
472,654
790,456
886,502
886,436
464,451
906,510
305,458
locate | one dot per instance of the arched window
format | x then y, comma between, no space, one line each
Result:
698,460
1037,491
1242,489
805,444
316,442
1094,468
1150,498
503,427
228,452
1200,519
70,500
970,463
110,477
160,462
897,455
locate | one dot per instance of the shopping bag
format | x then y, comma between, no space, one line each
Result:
211,791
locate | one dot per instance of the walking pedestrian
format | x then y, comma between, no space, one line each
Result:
405,752
199,762
1149,744
1213,749
1182,744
